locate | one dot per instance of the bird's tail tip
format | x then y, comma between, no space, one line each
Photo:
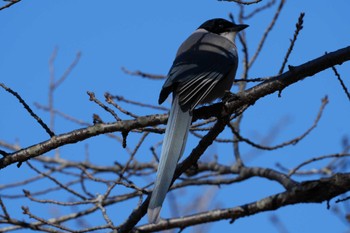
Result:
153,214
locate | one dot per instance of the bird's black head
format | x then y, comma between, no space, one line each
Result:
219,26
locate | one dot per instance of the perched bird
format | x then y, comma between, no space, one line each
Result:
203,70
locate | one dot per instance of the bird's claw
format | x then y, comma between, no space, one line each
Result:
229,96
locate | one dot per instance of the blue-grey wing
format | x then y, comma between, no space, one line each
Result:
197,71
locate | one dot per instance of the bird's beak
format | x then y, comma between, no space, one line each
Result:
239,27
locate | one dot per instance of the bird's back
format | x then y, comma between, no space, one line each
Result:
209,59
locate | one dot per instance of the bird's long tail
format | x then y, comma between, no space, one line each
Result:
173,147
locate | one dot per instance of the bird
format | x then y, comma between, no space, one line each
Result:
203,70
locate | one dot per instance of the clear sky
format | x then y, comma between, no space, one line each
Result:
144,35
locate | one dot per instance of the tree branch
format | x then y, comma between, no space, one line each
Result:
315,191
12,2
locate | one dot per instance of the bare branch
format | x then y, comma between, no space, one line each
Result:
12,2
341,82
315,191
299,26
266,33
259,9
136,103
290,142
68,70
99,103
294,170
29,110
4,210
276,221
143,75
242,2
65,187
110,100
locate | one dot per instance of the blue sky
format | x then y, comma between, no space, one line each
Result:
144,35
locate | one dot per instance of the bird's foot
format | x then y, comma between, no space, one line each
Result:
193,170
229,96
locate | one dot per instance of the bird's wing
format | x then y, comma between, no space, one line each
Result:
195,72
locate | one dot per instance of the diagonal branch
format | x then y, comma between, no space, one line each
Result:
29,110
12,2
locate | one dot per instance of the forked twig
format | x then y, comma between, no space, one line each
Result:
291,142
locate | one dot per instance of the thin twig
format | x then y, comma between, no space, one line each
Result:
53,85
68,70
29,110
142,139
59,226
275,220
341,82
110,100
243,40
242,2
291,142
12,2
259,9
52,88
299,27
266,33
65,187
143,74
133,102
3,207
93,98
294,170
70,203
61,114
